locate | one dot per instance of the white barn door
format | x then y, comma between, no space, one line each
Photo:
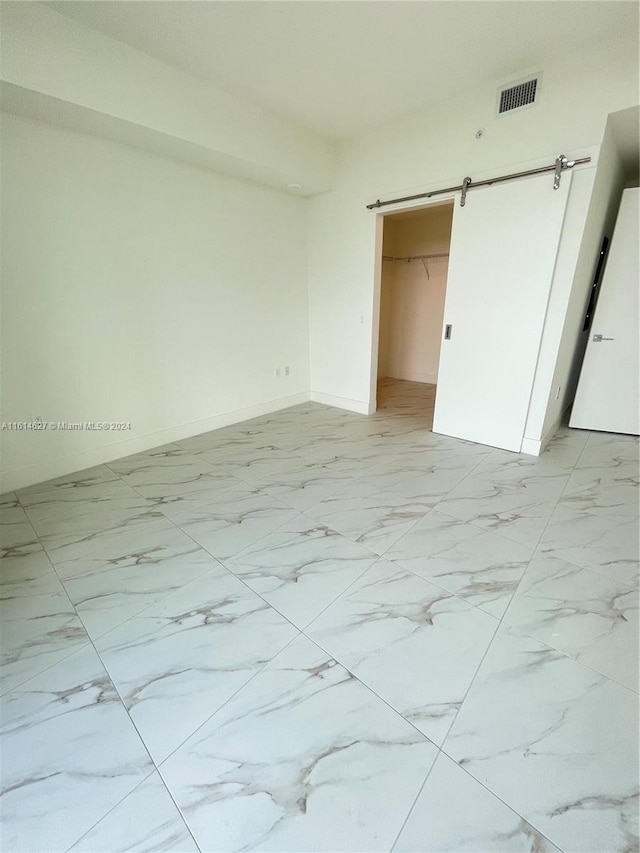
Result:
504,245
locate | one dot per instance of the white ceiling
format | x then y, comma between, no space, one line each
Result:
345,66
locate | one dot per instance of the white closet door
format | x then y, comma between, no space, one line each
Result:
607,395
504,245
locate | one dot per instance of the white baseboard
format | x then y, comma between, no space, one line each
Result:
533,446
29,475
340,402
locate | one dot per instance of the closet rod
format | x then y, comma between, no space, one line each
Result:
415,257
561,163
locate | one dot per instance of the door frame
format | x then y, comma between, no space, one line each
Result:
377,285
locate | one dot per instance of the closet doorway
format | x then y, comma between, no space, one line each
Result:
415,261
503,252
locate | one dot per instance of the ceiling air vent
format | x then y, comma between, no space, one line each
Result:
518,95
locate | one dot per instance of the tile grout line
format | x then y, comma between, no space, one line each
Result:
501,622
226,702
415,800
155,766
114,807
91,643
370,689
377,558
475,675
7,693
534,548
221,560
493,794
582,568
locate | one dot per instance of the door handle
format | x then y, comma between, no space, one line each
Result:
447,332
598,338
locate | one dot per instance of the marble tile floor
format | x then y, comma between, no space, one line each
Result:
317,631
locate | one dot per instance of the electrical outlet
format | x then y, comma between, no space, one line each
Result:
276,372
286,370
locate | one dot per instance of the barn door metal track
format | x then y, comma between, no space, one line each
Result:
561,163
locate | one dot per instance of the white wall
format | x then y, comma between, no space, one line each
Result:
432,150
550,385
57,69
142,290
386,307
138,289
412,304
608,183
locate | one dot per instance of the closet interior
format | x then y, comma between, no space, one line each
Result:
415,261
